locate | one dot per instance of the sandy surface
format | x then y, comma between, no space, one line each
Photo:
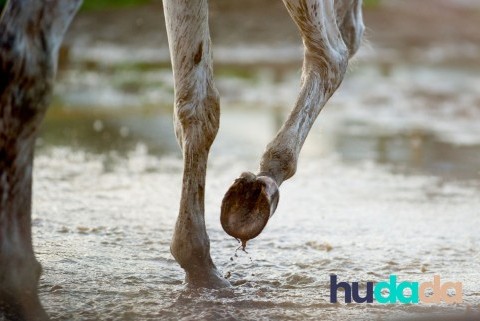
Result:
102,226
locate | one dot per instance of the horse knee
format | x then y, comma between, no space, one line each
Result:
197,117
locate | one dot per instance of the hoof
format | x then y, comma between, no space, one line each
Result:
210,279
248,205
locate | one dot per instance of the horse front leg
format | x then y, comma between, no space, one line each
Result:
331,32
197,115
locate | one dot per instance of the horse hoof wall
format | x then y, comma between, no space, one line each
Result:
248,205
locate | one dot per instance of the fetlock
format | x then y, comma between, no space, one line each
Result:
18,288
192,253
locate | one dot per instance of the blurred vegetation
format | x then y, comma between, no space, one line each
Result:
371,3
101,4
106,4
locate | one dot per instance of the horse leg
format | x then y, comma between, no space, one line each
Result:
31,33
331,32
196,119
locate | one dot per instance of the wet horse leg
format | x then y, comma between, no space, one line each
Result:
197,115
331,32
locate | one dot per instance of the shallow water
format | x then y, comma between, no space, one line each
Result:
379,190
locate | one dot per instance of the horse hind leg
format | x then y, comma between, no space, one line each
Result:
30,35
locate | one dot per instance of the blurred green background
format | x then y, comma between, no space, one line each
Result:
104,4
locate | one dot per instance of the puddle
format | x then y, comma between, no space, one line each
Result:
107,185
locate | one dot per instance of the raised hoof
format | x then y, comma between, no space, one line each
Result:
248,205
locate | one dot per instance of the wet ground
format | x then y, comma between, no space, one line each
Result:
388,182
